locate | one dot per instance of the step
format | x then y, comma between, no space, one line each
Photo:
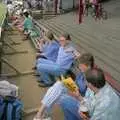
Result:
94,53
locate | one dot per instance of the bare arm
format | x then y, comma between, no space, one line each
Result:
40,113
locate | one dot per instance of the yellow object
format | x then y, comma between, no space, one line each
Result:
70,84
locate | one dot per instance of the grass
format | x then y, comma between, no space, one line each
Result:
3,11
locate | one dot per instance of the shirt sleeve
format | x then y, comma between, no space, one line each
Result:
53,94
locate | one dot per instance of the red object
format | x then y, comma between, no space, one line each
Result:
115,84
55,5
80,11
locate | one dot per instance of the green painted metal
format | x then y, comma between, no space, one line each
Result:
3,12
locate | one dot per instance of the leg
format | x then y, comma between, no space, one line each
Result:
47,69
70,107
50,67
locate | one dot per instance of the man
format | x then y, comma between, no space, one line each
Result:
65,58
48,48
59,94
105,105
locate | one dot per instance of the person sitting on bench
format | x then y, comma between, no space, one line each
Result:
65,58
48,48
28,24
61,95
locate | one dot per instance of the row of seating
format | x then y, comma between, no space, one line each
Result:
36,43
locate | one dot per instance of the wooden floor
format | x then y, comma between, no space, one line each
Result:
101,38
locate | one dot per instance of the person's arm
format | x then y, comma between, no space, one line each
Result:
50,98
41,111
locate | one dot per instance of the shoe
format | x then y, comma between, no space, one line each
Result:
47,118
43,84
40,81
34,68
36,74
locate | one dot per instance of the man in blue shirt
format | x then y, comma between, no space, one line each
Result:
48,48
65,58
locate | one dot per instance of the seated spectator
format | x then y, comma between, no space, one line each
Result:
65,58
59,94
48,49
105,105
28,25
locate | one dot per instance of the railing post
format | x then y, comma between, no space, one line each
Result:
80,11
55,6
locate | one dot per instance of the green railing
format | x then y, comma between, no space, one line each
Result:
3,12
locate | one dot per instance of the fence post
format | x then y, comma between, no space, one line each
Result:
80,11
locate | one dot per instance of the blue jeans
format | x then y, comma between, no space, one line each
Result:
48,68
70,107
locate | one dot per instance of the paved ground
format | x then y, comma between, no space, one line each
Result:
101,38
30,93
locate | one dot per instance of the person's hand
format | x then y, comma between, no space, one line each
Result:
83,116
38,116
77,56
77,95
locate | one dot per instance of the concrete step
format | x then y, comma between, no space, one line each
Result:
60,27
88,34
58,30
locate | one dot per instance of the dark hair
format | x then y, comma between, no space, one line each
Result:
69,73
50,35
66,36
9,2
87,58
26,14
96,77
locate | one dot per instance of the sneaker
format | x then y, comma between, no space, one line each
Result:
43,84
47,118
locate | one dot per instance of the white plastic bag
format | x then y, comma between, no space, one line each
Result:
7,89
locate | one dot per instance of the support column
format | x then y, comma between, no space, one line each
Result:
80,11
55,6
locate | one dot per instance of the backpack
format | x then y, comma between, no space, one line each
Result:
10,108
